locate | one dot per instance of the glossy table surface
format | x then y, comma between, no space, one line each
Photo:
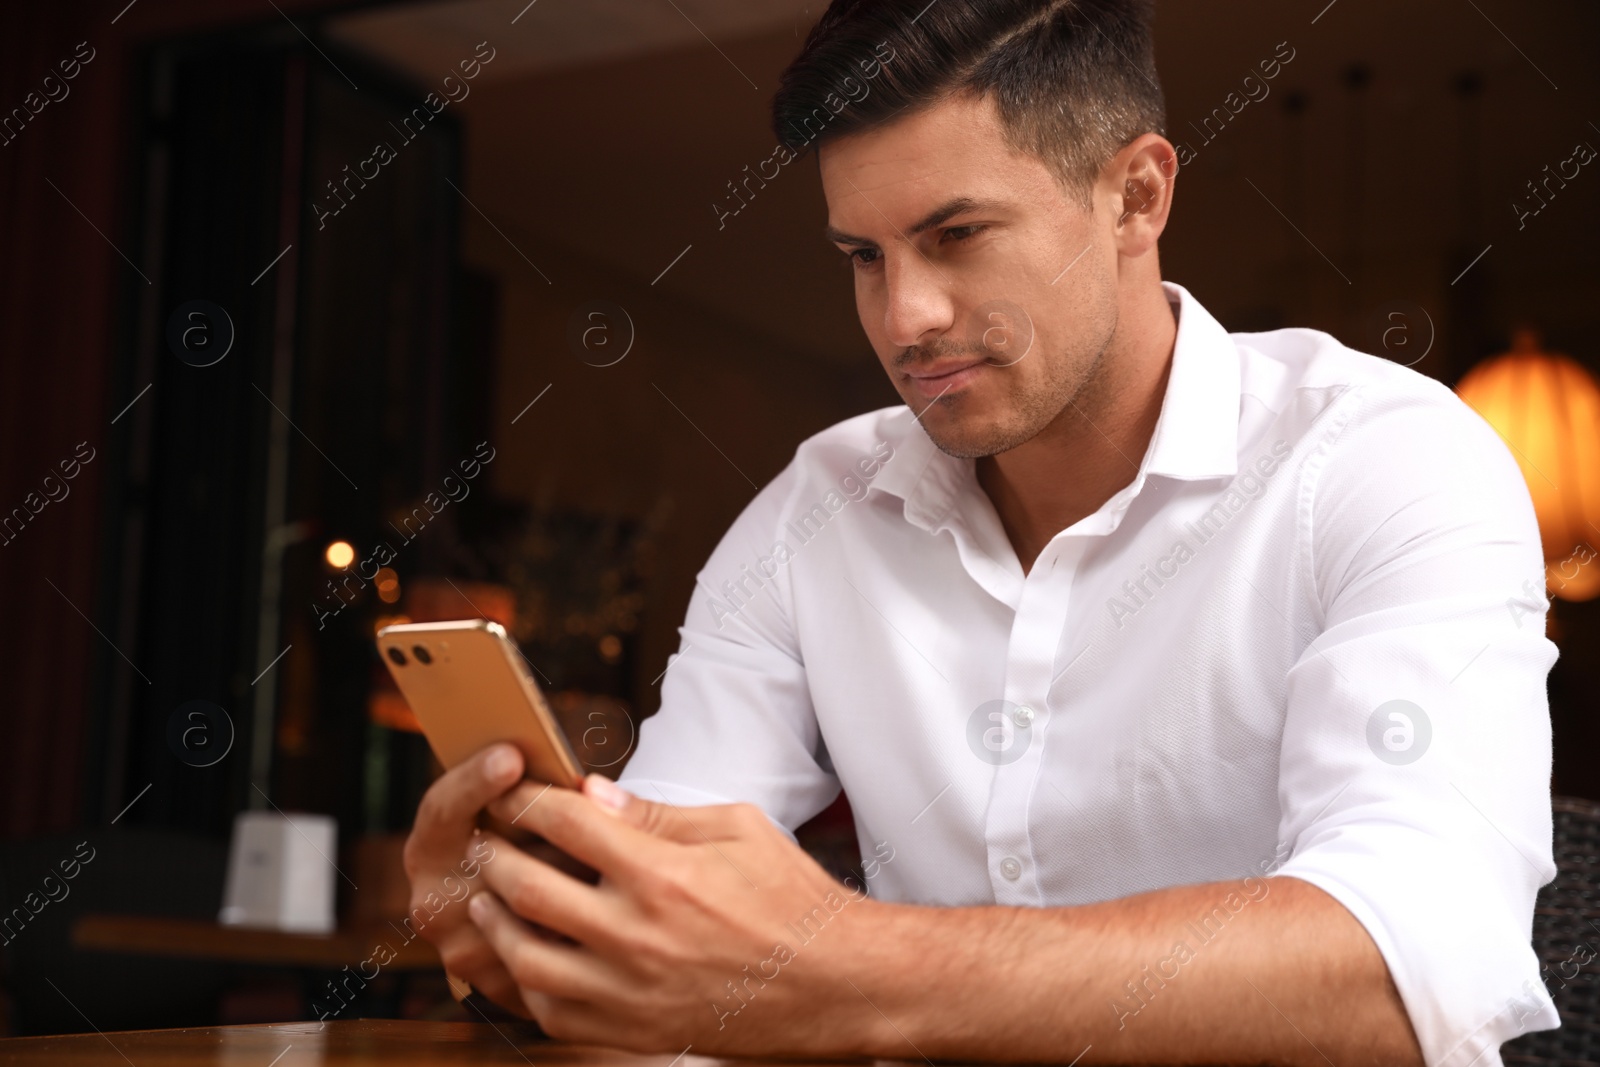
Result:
193,938
393,1043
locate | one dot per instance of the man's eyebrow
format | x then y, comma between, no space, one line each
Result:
943,213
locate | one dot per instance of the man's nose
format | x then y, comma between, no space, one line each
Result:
918,305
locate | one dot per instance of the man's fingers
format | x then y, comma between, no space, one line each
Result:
575,824
466,953
572,1020
534,963
449,809
539,893
655,819
512,806
671,822
592,828
506,814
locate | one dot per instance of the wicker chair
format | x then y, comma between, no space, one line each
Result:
1567,916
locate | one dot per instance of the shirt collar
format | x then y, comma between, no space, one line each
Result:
1196,434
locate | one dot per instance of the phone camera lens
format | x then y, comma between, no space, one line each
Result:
397,656
422,654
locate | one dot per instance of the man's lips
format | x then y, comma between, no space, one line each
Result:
940,378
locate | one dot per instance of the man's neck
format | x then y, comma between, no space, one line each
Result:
1094,446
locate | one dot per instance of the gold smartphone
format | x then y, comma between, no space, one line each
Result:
469,687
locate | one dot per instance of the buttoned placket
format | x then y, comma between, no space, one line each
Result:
1040,620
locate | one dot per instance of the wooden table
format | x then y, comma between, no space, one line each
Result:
391,1043
197,939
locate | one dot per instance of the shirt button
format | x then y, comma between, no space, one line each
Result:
1011,869
1023,717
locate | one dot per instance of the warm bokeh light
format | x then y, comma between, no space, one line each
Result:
388,583
339,554
1547,408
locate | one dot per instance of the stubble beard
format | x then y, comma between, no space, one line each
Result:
1027,415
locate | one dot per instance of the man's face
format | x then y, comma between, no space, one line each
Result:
982,284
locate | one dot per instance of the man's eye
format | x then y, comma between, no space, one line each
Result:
962,233
863,257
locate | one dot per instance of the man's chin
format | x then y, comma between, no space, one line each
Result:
956,423
964,427
966,437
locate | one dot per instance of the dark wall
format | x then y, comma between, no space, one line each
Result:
68,295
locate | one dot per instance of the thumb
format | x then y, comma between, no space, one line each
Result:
658,820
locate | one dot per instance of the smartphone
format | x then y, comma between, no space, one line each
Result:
469,687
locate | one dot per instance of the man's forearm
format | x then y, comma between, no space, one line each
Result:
1269,971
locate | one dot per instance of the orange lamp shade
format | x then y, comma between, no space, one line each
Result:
1546,407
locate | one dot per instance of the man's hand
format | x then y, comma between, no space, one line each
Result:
709,926
444,856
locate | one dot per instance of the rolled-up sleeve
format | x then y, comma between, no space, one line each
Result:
1416,750
736,721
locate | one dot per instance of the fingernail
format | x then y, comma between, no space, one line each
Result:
478,908
500,764
606,792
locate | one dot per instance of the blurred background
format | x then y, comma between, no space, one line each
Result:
317,316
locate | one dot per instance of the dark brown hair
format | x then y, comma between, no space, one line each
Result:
1074,80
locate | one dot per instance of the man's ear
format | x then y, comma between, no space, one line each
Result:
1139,181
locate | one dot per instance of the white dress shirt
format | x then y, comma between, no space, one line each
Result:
1307,638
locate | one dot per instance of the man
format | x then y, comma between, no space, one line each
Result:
1182,684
